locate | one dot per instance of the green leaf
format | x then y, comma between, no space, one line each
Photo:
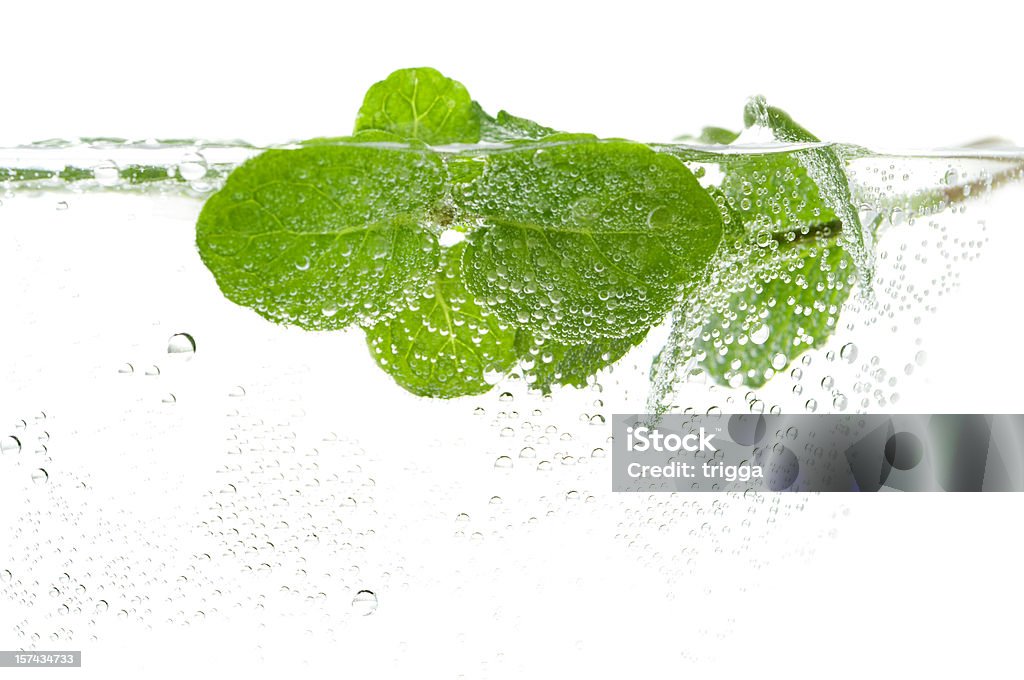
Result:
717,135
772,191
421,103
733,228
826,197
325,235
777,303
577,238
444,344
776,299
547,363
506,127
712,135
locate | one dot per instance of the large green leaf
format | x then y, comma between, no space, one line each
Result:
576,238
325,235
444,344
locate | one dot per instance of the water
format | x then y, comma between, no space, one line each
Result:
183,472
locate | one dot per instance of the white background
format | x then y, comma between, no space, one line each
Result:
915,582
906,74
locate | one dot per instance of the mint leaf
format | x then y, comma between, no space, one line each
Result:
444,344
421,103
773,302
325,235
717,135
577,238
770,295
773,192
712,135
773,307
826,170
506,127
547,363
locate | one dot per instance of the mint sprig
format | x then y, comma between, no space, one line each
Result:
574,246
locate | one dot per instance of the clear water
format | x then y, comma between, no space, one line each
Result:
178,473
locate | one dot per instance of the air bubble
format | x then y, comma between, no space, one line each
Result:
760,336
365,602
493,375
10,445
192,167
107,174
659,217
181,345
848,353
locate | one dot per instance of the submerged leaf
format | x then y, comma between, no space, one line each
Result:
444,344
780,280
577,238
781,303
548,363
325,235
506,127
